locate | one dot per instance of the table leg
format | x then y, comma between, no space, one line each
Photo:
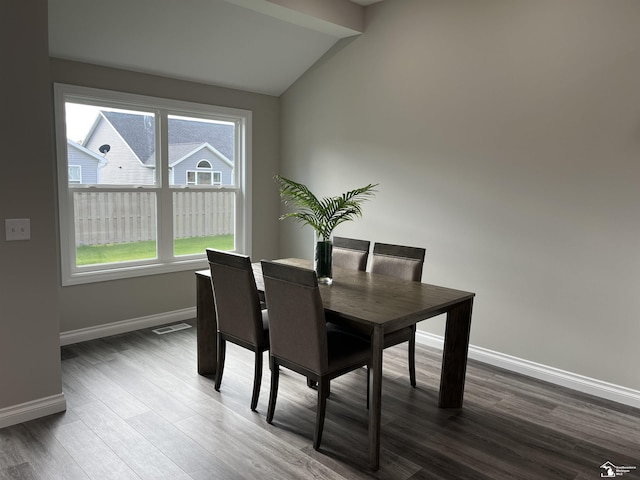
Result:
375,396
207,326
454,355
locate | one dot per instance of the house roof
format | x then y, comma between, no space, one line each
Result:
181,151
218,135
184,135
137,130
86,151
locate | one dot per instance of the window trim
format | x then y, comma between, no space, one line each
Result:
166,261
79,168
198,170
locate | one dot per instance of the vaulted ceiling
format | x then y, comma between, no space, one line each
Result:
259,46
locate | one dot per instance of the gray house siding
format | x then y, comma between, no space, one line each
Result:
86,160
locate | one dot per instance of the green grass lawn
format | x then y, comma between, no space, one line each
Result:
123,252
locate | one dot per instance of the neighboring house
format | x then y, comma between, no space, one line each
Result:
84,165
199,164
200,152
128,142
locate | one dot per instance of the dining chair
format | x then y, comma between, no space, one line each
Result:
300,340
240,317
406,263
350,253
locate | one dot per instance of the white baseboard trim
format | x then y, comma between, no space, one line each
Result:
116,328
31,410
574,381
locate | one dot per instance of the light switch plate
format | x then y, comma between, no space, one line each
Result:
17,228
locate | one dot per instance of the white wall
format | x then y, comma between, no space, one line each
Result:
505,136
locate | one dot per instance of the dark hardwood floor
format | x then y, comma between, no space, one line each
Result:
138,409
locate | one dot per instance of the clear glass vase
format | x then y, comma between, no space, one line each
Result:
323,258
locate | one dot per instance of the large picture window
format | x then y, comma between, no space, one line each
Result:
146,184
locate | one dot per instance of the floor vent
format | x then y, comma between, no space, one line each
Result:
171,328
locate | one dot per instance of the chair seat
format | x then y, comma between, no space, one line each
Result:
346,350
406,334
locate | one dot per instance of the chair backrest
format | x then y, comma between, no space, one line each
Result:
297,325
398,261
350,253
235,296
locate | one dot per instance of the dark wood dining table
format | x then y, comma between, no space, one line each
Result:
380,303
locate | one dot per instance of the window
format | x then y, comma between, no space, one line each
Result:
204,175
146,184
75,174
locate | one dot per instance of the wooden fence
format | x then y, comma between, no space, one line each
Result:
119,217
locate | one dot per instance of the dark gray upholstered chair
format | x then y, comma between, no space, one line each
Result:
299,337
240,318
406,263
350,253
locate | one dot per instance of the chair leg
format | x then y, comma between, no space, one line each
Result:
257,380
314,384
220,366
323,384
412,357
273,394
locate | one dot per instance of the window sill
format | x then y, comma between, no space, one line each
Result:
79,278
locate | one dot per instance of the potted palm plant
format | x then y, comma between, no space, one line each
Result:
323,215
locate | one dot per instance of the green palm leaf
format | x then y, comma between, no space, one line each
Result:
324,214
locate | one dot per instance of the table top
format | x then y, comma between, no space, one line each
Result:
378,300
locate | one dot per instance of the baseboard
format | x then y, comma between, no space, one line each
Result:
553,375
116,328
27,411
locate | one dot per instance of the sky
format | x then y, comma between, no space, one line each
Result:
79,118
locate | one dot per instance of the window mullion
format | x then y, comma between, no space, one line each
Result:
165,200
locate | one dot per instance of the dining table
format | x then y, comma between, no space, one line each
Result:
380,304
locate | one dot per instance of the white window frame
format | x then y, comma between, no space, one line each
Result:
76,167
214,174
166,261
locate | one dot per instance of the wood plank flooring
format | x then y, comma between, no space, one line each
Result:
137,409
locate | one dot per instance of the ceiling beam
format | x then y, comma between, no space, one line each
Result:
339,18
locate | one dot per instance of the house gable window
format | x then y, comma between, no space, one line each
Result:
204,175
172,182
